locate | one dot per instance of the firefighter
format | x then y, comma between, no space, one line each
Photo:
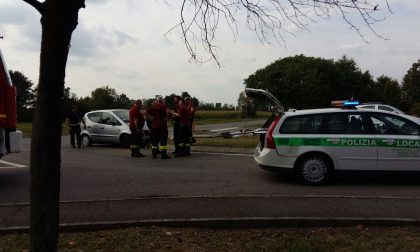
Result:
159,113
177,100
136,128
184,142
73,122
191,108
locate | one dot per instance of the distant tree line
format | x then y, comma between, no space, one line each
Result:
298,82
104,97
303,82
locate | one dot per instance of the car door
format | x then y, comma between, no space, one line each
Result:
275,107
92,125
349,139
398,142
110,128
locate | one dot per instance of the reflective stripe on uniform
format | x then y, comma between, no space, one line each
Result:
162,147
154,147
134,146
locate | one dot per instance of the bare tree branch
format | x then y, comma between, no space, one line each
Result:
37,5
268,19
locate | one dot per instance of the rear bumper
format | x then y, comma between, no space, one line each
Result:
280,170
268,159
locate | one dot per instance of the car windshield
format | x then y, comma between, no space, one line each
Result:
122,114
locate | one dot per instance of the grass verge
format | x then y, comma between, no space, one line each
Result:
26,129
263,239
239,142
203,117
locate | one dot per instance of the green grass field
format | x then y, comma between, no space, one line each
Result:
26,129
214,117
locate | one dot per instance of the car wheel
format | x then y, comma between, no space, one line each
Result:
86,141
125,140
314,170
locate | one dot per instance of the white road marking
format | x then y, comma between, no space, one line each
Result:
217,130
10,165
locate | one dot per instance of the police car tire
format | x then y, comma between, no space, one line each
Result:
86,141
314,170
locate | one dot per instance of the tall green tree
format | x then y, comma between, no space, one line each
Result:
411,85
147,102
123,102
24,95
108,98
307,82
103,98
69,99
169,101
391,91
247,106
84,104
415,109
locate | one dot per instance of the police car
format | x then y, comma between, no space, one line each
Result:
314,143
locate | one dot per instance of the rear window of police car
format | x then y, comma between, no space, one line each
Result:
328,123
305,124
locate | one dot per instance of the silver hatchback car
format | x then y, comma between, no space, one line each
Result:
106,127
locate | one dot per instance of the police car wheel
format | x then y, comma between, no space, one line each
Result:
314,170
86,141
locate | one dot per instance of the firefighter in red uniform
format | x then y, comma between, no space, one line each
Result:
177,100
191,108
184,142
159,113
136,128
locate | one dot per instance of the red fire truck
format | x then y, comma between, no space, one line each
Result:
10,138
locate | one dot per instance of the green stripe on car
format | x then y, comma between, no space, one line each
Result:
347,142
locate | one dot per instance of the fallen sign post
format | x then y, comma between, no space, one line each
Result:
243,133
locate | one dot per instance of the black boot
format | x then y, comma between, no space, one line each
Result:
187,151
154,153
136,153
163,155
176,150
180,152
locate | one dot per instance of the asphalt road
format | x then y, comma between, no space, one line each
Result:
104,185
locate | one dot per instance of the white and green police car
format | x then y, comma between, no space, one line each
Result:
314,143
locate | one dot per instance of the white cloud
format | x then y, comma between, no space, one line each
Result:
351,46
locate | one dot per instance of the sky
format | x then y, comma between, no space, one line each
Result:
125,44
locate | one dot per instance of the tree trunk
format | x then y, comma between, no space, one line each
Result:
59,19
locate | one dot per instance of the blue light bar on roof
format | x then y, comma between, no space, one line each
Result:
346,103
351,103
